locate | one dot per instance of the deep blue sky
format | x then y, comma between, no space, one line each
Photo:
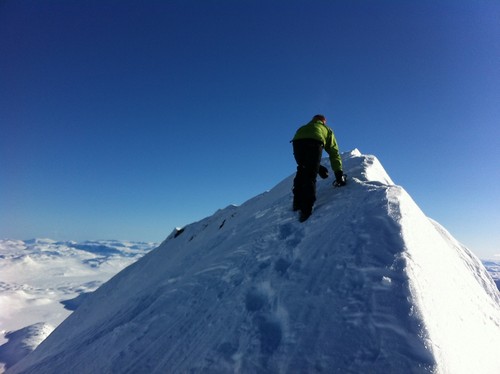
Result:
124,119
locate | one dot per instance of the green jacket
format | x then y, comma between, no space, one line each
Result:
319,131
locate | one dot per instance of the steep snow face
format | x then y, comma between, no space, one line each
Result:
456,297
354,289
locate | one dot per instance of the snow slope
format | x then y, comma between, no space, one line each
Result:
493,268
357,288
42,281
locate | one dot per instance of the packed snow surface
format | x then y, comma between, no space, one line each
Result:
360,287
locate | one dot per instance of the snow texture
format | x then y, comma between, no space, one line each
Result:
42,280
493,268
357,288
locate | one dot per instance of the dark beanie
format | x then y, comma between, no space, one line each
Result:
319,117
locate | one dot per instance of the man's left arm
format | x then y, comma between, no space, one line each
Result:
332,148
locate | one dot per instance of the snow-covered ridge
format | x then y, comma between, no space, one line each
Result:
359,287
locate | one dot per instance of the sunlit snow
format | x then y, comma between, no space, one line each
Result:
43,280
368,284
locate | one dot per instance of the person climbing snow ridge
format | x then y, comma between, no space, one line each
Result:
308,144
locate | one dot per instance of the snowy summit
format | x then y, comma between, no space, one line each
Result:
357,288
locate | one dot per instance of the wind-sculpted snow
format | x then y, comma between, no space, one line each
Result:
251,290
22,342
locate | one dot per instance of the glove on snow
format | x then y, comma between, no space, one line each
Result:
340,179
323,172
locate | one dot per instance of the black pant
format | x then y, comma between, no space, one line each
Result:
307,153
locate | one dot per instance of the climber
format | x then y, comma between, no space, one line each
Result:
308,144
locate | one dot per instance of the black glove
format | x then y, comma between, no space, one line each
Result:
340,179
323,172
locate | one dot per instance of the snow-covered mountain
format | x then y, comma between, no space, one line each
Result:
42,281
360,287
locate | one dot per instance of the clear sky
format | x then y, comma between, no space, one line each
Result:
123,119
